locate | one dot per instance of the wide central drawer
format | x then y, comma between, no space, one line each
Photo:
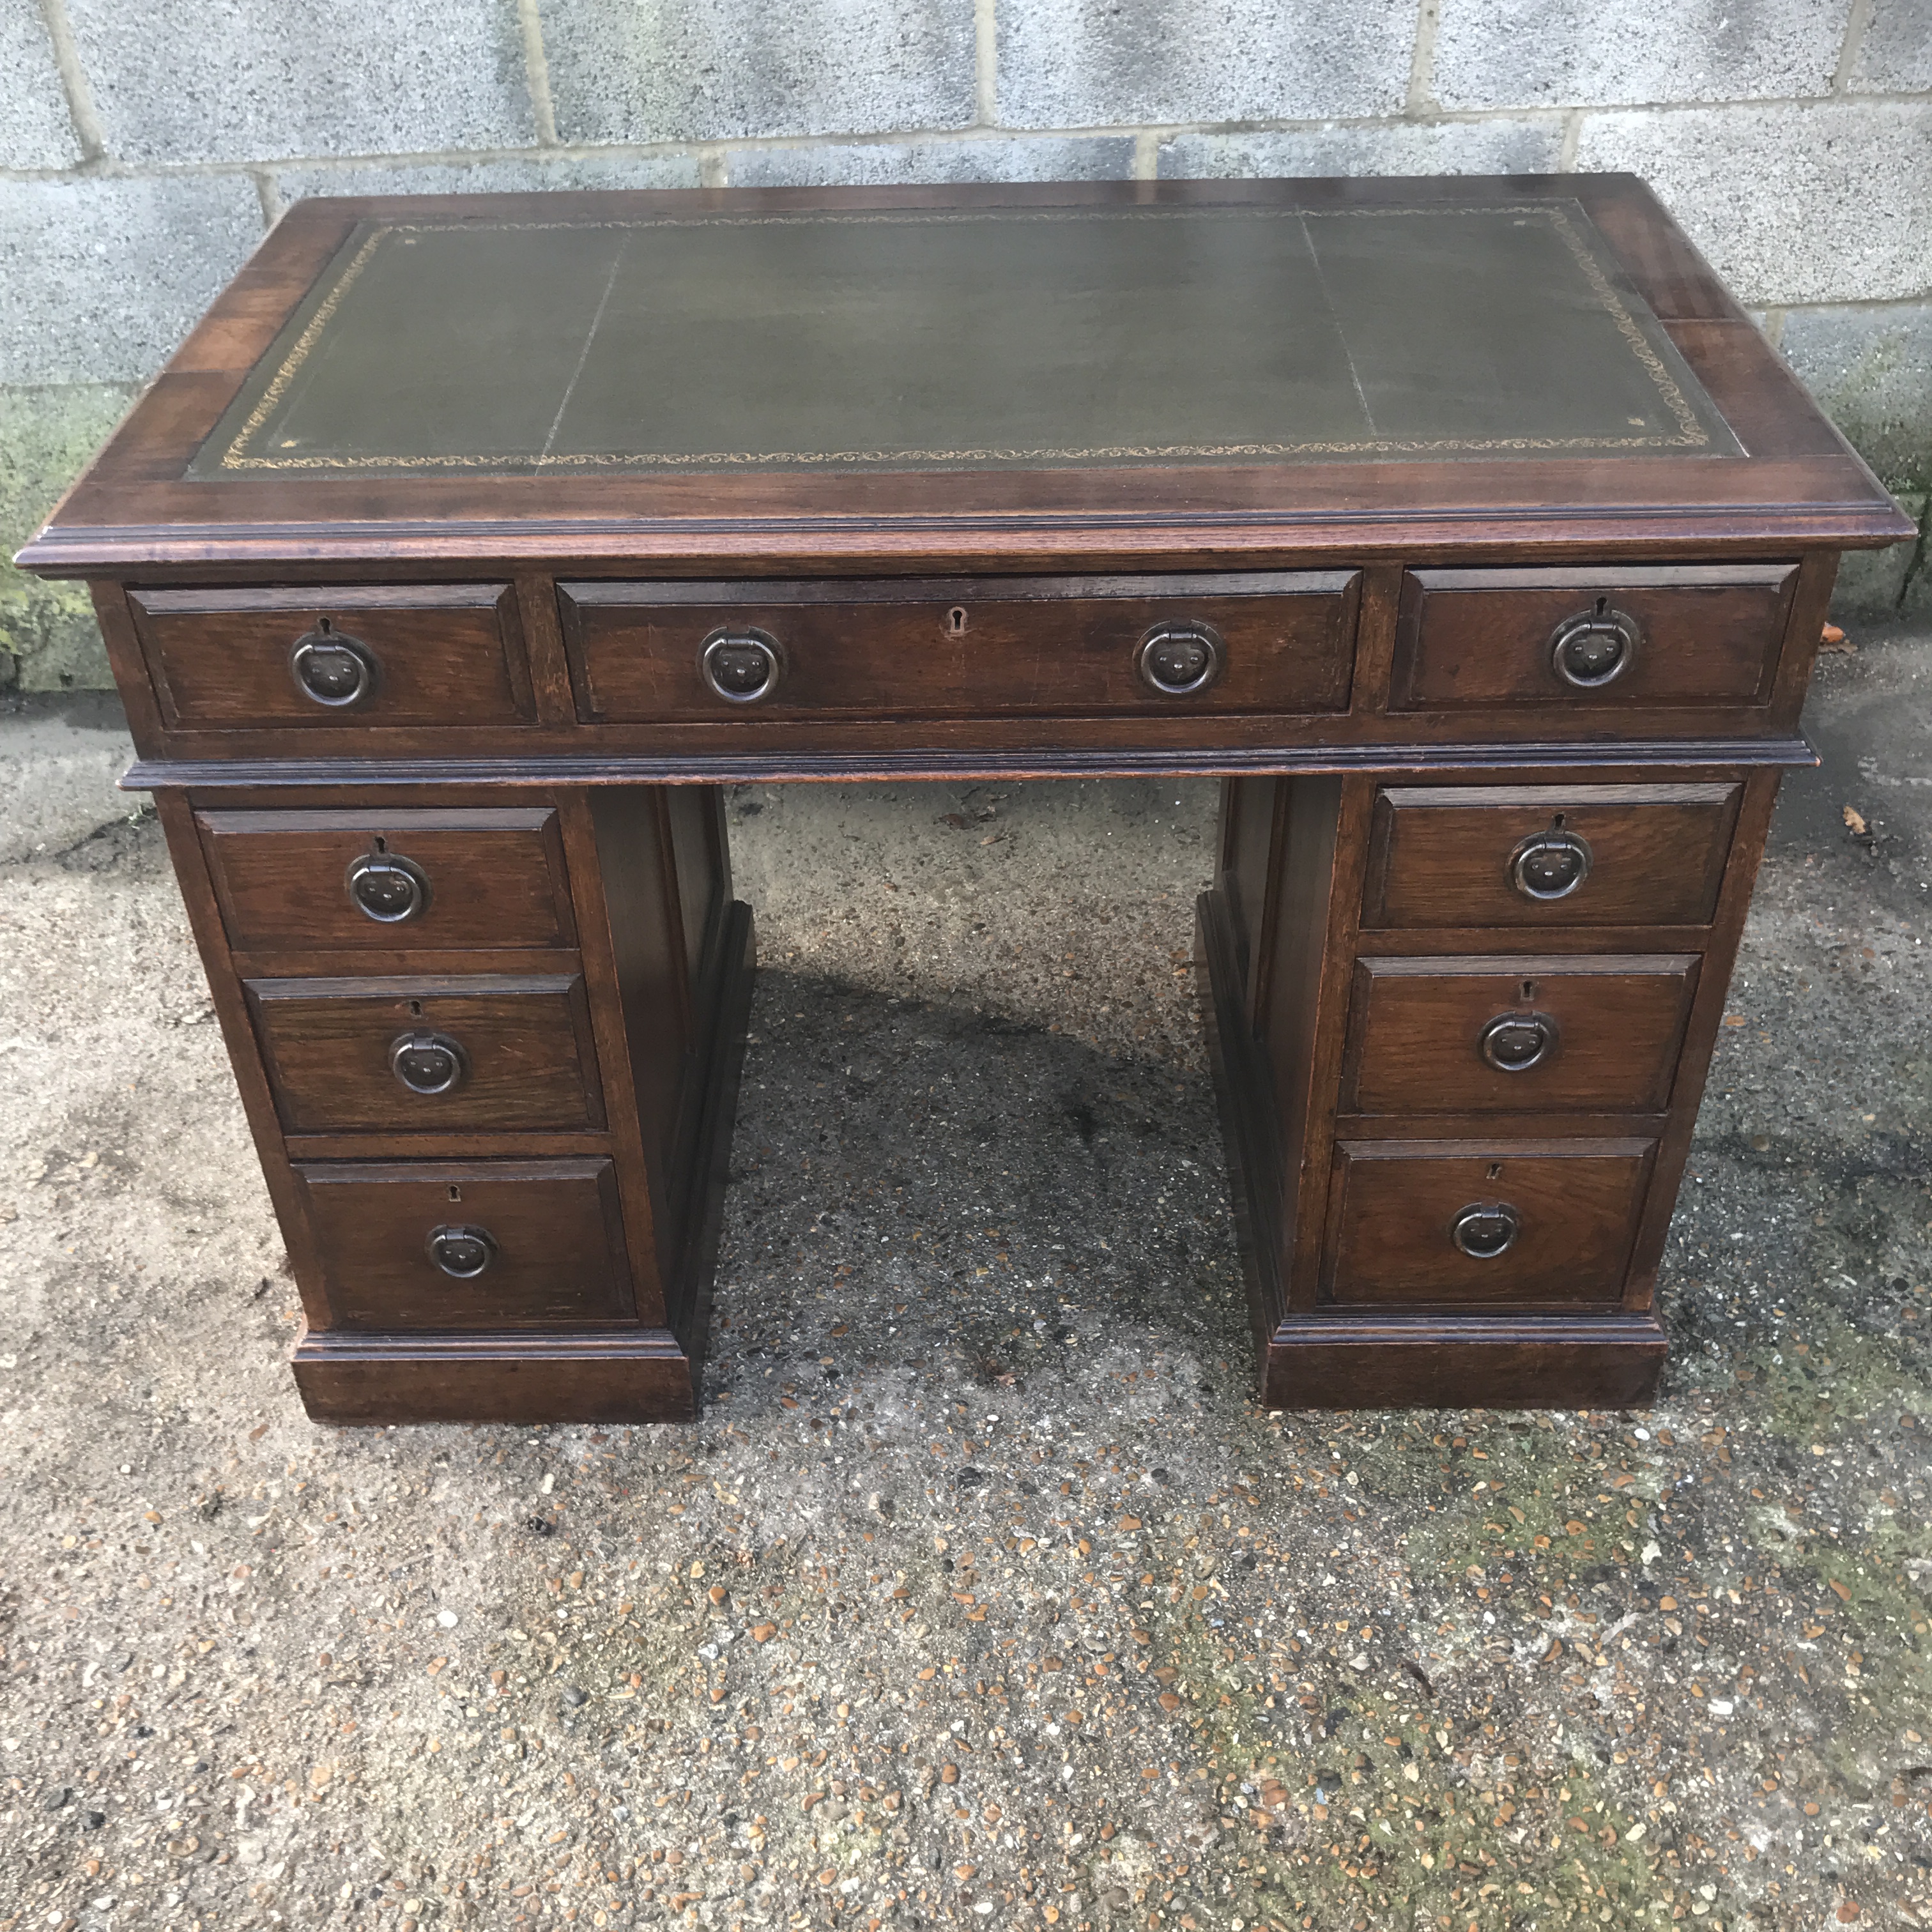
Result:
490,1050
1255,642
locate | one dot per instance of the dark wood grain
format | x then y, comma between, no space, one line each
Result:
496,877
1395,1201
997,749
560,1238
1250,1112
605,920
449,1144
1415,1027
125,659
1660,259
415,962
529,1064
445,654
890,647
1364,1360
1810,605
1250,826
1710,632
1405,942
543,643
1700,1035
513,1376
1317,907
735,958
1440,855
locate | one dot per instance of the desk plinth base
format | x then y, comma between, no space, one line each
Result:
510,1376
1350,1358
1462,1361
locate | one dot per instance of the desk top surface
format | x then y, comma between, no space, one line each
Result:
964,338
741,373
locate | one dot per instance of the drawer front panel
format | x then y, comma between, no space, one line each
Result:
1277,642
288,881
1568,1209
1581,1033
1534,856
336,656
1655,634
549,1231
417,1055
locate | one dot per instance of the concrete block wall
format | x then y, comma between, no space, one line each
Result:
144,150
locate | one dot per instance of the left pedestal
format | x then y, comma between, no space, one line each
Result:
489,1046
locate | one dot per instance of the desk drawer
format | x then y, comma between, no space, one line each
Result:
376,880
1535,855
1571,1033
420,1055
338,656
1548,1222
1272,642
1589,640
532,1244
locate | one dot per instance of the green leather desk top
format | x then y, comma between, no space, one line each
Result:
965,338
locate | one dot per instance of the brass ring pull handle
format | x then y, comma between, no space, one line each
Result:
1594,647
742,666
1514,1042
1485,1229
428,1063
463,1253
331,669
389,888
1177,660
1549,865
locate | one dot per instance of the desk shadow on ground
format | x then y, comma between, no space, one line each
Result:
947,1198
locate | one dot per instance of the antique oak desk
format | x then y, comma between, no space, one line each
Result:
1467,528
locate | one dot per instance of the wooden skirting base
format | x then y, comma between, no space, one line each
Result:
639,1375
511,1375
1347,1359
1462,1361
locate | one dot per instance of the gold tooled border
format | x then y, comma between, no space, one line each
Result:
1690,433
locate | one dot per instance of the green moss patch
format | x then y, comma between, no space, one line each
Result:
48,639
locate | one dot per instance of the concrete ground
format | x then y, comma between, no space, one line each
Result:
983,1594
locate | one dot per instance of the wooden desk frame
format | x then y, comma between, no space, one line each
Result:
625,815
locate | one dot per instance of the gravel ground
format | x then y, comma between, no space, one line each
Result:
983,1595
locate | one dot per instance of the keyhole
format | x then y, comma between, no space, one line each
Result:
1602,604
1529,989
956,621
1556,823
456,1194
324,625
380,843
415,1009
1496,1170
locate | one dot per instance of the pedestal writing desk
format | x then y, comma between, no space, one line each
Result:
1467,528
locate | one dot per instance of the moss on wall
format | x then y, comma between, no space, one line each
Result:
48,639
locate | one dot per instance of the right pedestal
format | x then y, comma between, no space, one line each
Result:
1460,1029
